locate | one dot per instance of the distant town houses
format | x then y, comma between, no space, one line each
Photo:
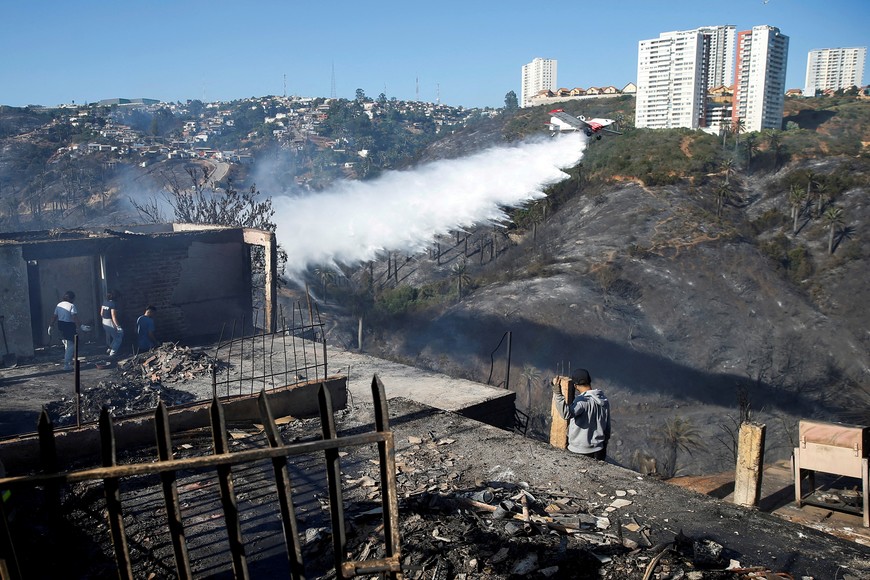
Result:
546,96
291,122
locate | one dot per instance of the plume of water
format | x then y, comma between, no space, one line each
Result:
404,210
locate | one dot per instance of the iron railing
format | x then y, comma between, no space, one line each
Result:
222,462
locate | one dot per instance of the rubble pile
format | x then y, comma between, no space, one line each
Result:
452,528
137,384
169,363
122,398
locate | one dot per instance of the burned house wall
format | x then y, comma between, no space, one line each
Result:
57,276
199,278
196,286
15,302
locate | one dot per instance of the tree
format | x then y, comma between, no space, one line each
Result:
360,96
751,149
774,143
724,193
677,435
811,183
326,277
822,198
738,127
796,198
728,168
725,129
532,376
511,103
833,218
460,271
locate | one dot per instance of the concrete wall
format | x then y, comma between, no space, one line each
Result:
15,302
20,456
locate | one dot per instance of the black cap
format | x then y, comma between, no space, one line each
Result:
581,377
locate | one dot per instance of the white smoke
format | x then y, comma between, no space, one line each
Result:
404,210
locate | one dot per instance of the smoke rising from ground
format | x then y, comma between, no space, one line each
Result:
404,210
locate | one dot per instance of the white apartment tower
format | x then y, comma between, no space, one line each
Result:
538,75
671,81
759,87
719,54
834,69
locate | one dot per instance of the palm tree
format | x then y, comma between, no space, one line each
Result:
326,277
811,182
724,193
728,168
822,197
677,435
774,143
796,198
726,128
751,149
460,270
532,376
834,218
738,126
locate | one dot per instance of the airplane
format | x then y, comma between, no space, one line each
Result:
562,121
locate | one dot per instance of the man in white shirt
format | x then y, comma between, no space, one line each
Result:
67,317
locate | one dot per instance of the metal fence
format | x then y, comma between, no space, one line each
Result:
295,353
222,462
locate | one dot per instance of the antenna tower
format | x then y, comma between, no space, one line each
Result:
417,88
285,85
332,87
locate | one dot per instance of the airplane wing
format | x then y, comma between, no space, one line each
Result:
570,120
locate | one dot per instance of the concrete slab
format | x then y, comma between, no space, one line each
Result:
40,380
425,387
777,498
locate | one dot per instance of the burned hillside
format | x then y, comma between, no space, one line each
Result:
677,313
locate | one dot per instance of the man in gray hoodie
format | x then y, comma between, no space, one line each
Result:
588,416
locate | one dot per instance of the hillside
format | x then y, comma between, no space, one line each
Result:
688,301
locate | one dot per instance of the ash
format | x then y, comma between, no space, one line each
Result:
138,384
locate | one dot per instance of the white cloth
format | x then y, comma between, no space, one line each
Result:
65,311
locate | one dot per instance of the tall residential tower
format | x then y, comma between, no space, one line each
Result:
675,71
759,87
538,75
834,69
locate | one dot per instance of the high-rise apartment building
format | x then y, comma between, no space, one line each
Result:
719,54
834,69
759,87
675,71
538,75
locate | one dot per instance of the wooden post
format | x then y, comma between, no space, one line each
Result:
558,425
750,462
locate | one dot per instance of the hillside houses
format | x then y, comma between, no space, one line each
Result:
289,121
546,97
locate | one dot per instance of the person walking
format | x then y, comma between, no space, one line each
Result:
588,416
111,324
145,329
66,315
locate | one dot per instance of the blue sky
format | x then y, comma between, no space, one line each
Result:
461,53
